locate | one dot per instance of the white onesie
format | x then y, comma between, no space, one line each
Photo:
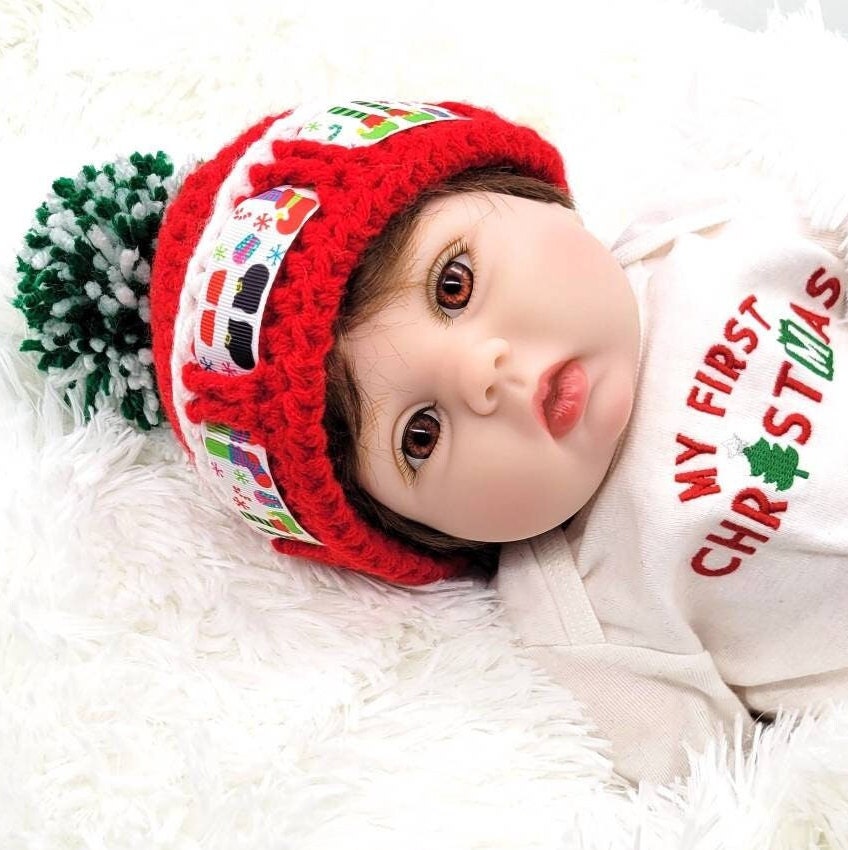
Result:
708,576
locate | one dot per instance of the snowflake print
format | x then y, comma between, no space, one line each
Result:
314,126
220,252
217,469
263,222
239,502
229,369
241,213
275,254
207,364
240,476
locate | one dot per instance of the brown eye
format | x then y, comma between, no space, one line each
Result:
455,285
420,437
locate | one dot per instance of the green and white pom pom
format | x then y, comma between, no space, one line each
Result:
84,275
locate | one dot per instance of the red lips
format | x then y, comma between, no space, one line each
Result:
560,399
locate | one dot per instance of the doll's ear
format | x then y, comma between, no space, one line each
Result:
83,278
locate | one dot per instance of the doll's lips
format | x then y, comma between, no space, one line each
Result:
560,398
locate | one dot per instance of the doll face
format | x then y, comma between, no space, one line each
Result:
499,380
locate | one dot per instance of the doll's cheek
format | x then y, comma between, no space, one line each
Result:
614,407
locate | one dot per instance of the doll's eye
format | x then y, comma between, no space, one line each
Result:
420,437
454,286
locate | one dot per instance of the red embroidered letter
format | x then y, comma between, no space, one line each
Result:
778,429
693,449
814,320
722,359
702,483
783,380
704,404
740,533
747,306
814,288
701,568
732,333
764,509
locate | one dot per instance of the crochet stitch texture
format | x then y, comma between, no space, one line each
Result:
281,402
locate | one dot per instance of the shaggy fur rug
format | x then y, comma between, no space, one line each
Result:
166,681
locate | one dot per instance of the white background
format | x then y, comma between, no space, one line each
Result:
752,14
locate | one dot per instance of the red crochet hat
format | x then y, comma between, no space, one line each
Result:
252,261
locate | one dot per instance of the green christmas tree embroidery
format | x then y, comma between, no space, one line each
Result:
777,465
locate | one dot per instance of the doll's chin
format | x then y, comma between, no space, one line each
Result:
537,524
529,533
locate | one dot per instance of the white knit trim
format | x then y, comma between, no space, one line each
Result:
235,185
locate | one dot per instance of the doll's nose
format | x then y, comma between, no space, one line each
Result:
481,373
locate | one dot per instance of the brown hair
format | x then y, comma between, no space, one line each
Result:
367,293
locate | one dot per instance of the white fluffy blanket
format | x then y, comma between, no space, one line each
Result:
166,681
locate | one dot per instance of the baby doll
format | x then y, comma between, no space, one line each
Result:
383,333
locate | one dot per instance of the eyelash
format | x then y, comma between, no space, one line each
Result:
455,249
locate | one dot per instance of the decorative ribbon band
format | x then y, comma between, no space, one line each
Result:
242,267
359,123
241,467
